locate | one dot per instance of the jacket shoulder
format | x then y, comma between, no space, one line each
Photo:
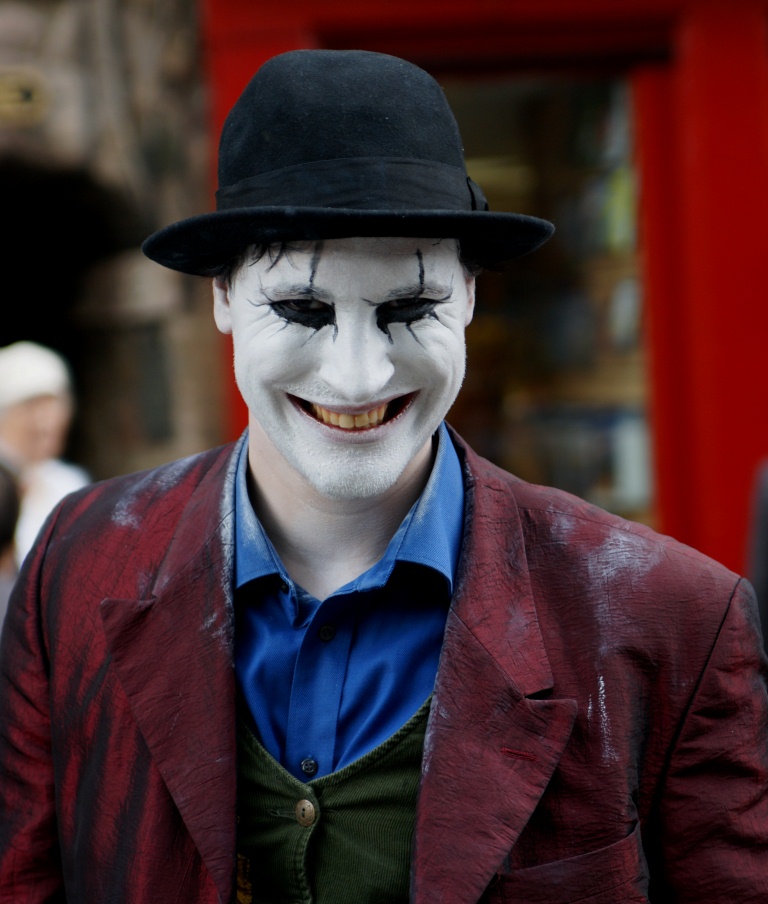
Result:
142,488
119,516
562,529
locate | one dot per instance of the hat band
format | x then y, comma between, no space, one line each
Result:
358,183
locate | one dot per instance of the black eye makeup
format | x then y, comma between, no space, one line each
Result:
305,305
308,312
300,304
407,311
410,308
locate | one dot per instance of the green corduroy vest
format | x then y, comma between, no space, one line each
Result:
344,838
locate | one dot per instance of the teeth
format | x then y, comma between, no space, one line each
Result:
370,418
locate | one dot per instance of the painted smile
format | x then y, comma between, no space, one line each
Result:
359,420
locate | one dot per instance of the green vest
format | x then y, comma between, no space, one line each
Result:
344,838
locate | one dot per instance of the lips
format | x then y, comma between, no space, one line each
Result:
357,420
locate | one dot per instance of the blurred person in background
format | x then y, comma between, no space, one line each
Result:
36,411
10,502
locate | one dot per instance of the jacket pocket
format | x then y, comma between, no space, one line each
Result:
617,874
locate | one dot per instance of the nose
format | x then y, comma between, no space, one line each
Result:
356,362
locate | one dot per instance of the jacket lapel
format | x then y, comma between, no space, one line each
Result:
173,654
495,734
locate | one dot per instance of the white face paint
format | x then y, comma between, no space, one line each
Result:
348,354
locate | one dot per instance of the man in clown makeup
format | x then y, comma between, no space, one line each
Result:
345,660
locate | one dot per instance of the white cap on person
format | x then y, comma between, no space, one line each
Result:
28,370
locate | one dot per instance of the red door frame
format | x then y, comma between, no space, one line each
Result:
699,71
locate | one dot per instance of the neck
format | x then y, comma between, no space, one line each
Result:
324,543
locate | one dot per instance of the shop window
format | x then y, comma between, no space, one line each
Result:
556,383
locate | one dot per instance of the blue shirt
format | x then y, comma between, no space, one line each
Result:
325,682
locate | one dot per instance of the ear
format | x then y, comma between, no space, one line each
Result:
222,312
470,300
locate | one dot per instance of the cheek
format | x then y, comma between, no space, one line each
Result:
269,352
437,360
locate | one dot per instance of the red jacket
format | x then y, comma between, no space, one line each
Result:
599,728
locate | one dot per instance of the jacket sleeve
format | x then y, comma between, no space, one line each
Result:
713,838
30,868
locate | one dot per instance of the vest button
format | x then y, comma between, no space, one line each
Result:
305,812
309,766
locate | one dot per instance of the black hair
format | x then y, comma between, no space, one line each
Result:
225,272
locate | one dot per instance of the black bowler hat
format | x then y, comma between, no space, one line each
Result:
329,144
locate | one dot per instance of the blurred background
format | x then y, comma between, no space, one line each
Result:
624,362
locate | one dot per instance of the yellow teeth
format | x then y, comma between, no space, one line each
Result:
370,418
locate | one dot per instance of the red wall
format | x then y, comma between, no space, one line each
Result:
699,70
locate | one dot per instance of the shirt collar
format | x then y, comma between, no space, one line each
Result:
429,535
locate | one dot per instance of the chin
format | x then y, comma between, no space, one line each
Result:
353,472
353,483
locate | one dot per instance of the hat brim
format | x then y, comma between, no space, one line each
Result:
199,244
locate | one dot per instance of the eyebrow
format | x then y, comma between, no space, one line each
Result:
413,290
295,290
410,290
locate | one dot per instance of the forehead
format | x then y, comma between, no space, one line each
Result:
366,258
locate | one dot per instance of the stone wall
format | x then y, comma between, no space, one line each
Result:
103,138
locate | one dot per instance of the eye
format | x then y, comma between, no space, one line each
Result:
406,310
307,312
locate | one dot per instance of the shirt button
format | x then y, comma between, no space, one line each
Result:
305,812
284,586
326,633
309,766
